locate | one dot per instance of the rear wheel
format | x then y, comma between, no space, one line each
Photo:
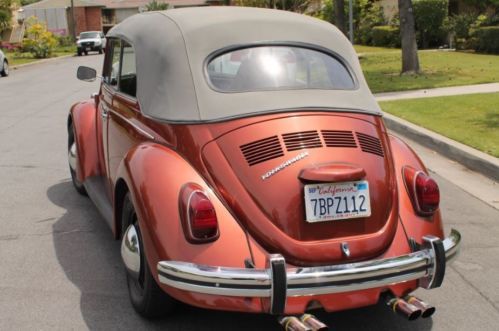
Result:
5,70
146,296
73,161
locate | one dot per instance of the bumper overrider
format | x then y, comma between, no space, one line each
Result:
278,282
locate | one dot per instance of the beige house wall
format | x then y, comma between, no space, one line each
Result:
390,8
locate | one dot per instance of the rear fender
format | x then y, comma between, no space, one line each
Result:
83,117
416,226
155,175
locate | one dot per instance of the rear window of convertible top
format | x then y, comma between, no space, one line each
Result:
265,68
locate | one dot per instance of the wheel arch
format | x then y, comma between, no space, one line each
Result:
83,118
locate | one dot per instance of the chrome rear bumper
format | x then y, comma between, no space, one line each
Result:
278,282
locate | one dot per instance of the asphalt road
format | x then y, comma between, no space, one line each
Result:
61,269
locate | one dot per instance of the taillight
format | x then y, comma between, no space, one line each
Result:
423,191
199,219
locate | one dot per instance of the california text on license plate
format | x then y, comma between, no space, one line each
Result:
336,201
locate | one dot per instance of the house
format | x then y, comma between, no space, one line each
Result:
94,15
115,11
58,16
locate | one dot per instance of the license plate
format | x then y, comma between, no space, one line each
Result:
87,49
337,201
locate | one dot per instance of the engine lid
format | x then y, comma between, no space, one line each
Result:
262,171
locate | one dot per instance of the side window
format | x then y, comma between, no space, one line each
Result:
128,77
115,63
112,63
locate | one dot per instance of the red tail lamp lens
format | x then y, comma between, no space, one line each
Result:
202,217
423,191
427,193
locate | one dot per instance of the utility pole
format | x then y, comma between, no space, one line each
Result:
73,22
350,17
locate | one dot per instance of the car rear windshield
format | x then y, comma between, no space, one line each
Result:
277,68
88,35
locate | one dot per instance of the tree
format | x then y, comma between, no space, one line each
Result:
410,60
155,5
339,15
5,14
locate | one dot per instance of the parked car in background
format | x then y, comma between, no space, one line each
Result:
241,159
91,41
4,65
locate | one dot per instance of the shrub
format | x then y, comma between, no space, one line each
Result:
486,39
371,14
65,41
386,36
430,16
39,42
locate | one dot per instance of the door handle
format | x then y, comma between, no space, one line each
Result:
104,112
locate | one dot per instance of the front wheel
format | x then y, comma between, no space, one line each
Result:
5,70
73,161
100,50
146,296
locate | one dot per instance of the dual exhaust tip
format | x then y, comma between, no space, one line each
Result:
305,322
411,307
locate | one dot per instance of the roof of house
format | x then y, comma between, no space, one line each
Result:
62,4
117,4
172,47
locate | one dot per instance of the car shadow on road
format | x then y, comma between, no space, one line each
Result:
90,258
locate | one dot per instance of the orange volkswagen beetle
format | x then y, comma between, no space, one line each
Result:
241,159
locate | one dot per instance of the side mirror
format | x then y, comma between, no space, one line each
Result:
86,74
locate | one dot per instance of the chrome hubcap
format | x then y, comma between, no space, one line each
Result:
72,157
130,252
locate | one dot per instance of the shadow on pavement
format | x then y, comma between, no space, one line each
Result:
91,260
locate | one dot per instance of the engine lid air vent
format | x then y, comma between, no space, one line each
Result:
300,140
370,144
338,138
262,150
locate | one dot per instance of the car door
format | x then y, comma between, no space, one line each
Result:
125,129
110,86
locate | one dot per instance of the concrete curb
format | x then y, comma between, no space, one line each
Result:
471,158
40,62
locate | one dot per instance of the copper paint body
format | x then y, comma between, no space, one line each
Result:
256,217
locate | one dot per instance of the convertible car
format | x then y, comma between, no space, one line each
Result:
241,159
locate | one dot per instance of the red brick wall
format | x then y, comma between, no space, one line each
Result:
80,19
94,18
88,19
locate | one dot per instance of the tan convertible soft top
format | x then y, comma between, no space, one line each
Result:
172,48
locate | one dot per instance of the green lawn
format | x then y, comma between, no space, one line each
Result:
470,119
23,58
381,67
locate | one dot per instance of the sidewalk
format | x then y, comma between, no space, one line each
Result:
438,92
471,158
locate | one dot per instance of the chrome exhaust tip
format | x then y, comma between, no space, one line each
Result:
130,252
404,309
292,323
426,309
312,322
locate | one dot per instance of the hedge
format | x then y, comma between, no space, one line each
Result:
486,39
430,16
386,36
